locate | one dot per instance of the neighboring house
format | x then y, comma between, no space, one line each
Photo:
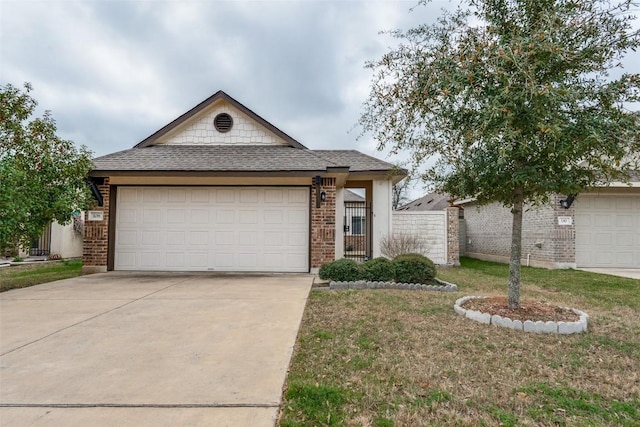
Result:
601,228
429,202
221,189
64,241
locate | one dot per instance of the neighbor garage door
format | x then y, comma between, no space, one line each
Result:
608,231
212,229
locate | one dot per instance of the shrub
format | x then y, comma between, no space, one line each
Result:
402,243
414,268
342,270
378,269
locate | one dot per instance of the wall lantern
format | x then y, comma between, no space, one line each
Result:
566,203
323,196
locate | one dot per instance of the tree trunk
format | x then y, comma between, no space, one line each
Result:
516,250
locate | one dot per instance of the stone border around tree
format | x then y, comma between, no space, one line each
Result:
362,284
539,327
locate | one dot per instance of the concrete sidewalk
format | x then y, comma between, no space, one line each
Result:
631,273
148,349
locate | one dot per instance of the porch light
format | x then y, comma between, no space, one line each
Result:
566,203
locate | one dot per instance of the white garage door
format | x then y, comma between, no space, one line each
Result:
212,229
608,231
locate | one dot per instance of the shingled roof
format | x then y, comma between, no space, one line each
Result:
239,158
154,155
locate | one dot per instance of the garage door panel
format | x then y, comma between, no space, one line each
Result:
248,217
212,228
176,216
151,238
224,238
297,216
248,196
151,216
127,238
225,216
225,196
296,239
274,196
198,260
151,260
176,259
298,195
273,217
200,196
150,195
608,231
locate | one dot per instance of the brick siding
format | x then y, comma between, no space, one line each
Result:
323,225
488,234
453,235
96,236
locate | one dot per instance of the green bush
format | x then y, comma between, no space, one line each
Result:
414,268
342,270
378,270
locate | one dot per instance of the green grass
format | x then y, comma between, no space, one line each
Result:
617,290
318,404
557,404
22,276
404,358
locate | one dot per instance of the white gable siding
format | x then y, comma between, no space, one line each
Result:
202,131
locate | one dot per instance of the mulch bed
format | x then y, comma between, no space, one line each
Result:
529,310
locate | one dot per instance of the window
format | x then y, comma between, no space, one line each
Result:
357,225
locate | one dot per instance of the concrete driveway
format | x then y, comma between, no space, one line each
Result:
140,349
631,273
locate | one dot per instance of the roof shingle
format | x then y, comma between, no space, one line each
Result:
240,158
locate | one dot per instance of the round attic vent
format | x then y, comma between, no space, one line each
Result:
223,122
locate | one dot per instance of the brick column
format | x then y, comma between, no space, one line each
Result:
453,238
96,236
323,224
564,236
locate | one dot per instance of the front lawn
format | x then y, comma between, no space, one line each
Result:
404,358
21,276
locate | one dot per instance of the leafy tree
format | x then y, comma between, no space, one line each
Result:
515,99
42,177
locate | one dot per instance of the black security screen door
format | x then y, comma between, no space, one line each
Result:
357,242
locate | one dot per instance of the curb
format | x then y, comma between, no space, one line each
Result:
443,287
539,327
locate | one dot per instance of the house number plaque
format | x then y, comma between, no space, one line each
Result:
96,216
565,220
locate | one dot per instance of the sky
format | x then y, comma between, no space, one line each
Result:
112,72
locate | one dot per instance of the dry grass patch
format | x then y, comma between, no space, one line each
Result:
404,358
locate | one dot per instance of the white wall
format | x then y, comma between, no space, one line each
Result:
381,209
339,222
65,241
430,226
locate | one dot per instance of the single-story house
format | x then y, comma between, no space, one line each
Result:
428,202
221,189
599,228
